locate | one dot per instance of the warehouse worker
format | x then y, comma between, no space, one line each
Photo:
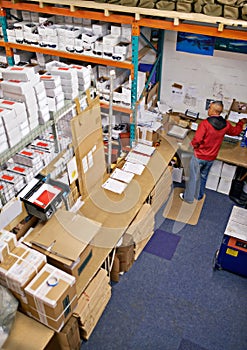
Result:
206,144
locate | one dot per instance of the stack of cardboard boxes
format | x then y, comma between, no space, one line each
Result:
43,291
92,303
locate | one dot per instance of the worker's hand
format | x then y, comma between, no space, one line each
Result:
244,120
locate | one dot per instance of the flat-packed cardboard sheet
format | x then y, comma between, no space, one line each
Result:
68,235
27,334
88,144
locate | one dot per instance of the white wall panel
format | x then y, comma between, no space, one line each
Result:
222,76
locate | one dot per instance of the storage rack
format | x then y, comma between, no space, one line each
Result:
38,131
137,18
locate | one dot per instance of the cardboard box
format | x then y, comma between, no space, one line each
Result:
27,157
24,171
24,225
51,81
19,107
89,325
111,40
125,253
88,144
92,302
141,245
12,210
212,182
216,168
9,119
14,179
16,87
162,190
19,73
228,171
51,296
7,243
147,135
69,336
224,185
71,242
20,267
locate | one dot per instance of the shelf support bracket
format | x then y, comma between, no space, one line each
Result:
176,21
220,27
137,16
107,13
72,8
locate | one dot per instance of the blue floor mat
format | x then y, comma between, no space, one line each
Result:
163,244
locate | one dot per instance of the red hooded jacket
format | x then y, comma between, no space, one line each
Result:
210,134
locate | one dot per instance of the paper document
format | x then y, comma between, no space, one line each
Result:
114,185
144,149
137,158
237,224
178,131
133,168
234,117
122,175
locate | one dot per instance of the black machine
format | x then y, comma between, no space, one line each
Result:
44,198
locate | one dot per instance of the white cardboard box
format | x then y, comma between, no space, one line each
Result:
212,182
16,87
228,171
8,118
19,73
224,185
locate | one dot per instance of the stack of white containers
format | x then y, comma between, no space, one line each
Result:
3,137
18,86
69,81
42,101
54,92
9,128
20,112
84,77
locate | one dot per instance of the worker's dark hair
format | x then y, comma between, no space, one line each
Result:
219,103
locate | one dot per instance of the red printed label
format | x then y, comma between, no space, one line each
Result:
16,68
45,198
19,169
26,153
7,177
8,102
42,144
